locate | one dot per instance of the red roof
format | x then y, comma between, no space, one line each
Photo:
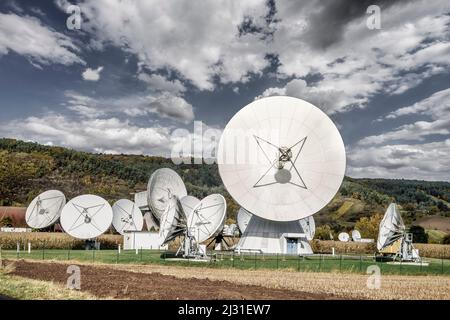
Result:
16,214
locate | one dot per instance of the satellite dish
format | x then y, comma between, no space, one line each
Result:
207,218
232,229
45,209
391,228
164,184
281,158
171,221
243,218
343,237
127,216
356,236
86,216
309,227
150,222
188,204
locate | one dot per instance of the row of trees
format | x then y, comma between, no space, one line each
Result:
28,168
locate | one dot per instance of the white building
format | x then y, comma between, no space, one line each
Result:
272,237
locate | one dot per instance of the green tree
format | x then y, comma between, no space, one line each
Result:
419,234
446,239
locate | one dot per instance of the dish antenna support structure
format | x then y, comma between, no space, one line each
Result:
269,237
205,221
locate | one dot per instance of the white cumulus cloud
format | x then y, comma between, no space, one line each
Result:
197,39
436,107
27,36
357,63
92,74
110,135
164,105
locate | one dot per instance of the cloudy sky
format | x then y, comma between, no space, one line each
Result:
138,70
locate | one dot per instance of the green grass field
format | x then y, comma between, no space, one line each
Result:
320,263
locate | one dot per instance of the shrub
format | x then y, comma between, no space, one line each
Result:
446,239
6,222
323,232
419,234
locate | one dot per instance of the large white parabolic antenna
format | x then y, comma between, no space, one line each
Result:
188,204
164,184
207,218
281,158
309,227
243,218
391,228
86,216
45,209
127,216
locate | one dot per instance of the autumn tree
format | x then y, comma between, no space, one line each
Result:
323,232
368,226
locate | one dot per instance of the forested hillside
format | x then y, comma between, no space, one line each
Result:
27,169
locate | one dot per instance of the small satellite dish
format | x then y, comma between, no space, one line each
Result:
356,236
127,216
86,217
232,229
343,237
164,184
281,158
188,204
207,218
391,228
45,209
309,227
243,218
171,221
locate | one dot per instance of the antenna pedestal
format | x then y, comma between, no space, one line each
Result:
273,237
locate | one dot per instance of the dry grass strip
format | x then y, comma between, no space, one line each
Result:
340,284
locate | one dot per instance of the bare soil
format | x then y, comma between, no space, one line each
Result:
435,223
108,282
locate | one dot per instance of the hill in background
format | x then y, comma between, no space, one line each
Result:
26,169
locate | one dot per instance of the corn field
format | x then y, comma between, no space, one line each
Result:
425,250
39,240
